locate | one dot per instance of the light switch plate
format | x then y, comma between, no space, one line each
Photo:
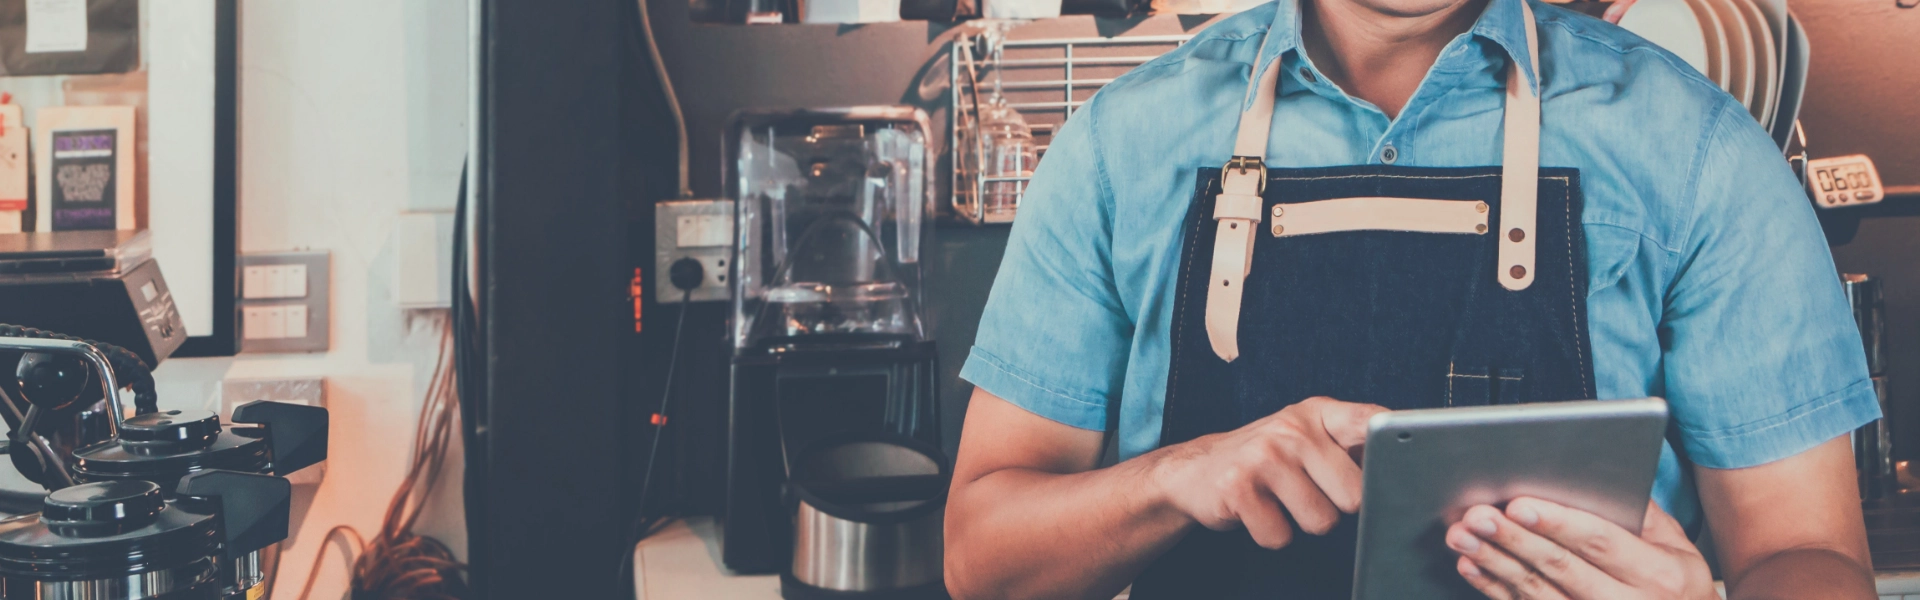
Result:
701,230
284,302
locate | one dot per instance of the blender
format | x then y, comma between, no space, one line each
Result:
829,335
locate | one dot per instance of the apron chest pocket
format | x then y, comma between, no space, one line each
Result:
1482,386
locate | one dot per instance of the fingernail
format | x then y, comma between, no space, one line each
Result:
1464,543
1469,569
1526,516
1481,525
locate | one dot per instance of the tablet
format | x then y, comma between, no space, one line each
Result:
1423,469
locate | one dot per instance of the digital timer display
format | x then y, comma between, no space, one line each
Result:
1843,181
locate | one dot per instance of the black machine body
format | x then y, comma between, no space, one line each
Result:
117,540
785,398
271,438
132,309
159,504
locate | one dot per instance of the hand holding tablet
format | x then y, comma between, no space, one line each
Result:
1579,465
1540,549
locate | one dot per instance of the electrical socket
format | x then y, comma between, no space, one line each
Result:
698,229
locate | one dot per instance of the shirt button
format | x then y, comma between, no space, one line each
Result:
1388,154
1307,75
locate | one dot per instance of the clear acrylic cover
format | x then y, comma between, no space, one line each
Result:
831,208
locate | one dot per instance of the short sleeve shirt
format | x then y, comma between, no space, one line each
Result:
1711,284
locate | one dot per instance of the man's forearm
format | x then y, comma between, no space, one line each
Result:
1031,534
1808,573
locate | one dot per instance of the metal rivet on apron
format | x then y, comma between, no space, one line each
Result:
1518,272
1277,230
1516,235
1388,154
1480,207
1237,226
1481,228
1307,75
1276,210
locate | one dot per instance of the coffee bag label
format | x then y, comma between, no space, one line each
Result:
84,179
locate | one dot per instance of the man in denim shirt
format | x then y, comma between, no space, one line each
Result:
1705,281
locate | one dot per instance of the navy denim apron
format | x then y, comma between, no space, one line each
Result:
1365,308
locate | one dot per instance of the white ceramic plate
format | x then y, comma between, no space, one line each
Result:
1775,12
1793,85
1739,50
1766,61
1716,39
1671,25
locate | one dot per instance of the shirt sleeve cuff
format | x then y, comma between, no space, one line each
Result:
1781,436
988,372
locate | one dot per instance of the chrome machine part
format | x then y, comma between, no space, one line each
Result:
869,518
126,540
249,571
151,584
839,554
85,351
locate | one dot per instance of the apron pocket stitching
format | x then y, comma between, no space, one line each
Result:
1573,287
1186,271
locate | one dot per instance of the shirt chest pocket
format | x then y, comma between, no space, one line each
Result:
1611,251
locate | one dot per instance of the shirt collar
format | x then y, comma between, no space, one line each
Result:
1503,23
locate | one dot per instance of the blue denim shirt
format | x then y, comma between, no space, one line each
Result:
1711,283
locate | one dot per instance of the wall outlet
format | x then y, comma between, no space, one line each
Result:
701,230
284,302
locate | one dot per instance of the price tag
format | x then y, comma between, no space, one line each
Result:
1844,181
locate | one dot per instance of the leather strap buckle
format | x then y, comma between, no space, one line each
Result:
1240,165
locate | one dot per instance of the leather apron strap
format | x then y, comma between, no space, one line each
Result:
1237,210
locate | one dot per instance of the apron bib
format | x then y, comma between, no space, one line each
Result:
1400,286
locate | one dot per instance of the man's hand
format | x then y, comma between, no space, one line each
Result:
1541,550
1296,463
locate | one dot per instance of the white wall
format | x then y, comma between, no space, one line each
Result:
351,112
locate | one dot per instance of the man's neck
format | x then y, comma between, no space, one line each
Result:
1376,55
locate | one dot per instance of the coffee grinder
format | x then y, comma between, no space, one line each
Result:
829,336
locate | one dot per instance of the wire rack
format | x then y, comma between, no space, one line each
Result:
1046,80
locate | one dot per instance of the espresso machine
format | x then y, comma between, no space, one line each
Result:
829,337
146,503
